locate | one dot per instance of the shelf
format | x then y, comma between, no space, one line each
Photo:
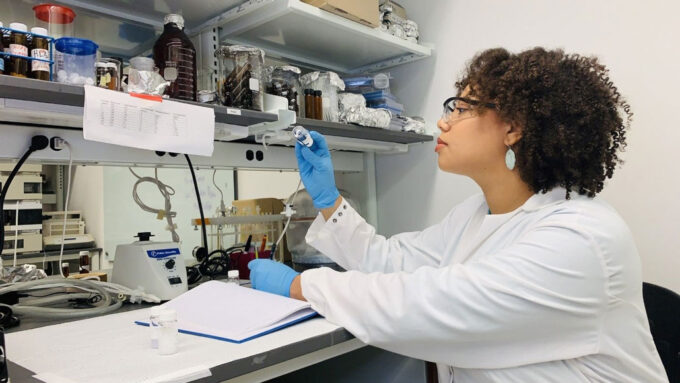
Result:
44,103
299,32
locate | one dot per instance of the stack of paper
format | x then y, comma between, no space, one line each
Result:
233,313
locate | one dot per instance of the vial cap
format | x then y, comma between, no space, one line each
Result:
317,93
65,264
18,27
155,310
175,19
84,252
232,274
39,31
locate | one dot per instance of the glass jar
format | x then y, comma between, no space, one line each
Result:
240,76
285,82
40,49
18,46
56,19
107,72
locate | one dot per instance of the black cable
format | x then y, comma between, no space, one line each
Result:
37,143
200,205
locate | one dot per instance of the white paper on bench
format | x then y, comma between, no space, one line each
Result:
224,310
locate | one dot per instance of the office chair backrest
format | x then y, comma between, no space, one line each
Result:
663,312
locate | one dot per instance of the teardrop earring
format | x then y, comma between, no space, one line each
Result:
510,158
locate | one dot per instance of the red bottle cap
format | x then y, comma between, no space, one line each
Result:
53,13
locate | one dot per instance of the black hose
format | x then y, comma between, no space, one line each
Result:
200,205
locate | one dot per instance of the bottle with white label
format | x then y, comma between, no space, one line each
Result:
40,49
18,46
175,58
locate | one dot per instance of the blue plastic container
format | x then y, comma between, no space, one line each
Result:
75,59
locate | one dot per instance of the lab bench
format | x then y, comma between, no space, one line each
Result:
112,348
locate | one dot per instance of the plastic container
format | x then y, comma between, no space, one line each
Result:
57,19
75,61
175,57
239,81
167,332
143,63
233,277
154,314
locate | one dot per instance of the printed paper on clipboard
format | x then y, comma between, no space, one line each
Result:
121,119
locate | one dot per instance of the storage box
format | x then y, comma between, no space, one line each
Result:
362,11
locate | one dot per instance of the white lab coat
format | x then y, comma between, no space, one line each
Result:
551,292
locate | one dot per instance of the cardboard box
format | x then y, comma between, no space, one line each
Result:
365,12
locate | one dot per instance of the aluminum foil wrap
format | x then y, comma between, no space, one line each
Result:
146,82
353,110
408,124
328,83
21,273
398,26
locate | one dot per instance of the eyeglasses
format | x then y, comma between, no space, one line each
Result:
453,110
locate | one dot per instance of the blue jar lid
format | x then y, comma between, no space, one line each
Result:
74,46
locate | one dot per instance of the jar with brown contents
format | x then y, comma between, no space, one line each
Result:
18,46
40,49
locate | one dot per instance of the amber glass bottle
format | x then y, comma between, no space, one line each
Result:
175,57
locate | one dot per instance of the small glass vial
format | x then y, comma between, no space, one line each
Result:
302,136
318,105
167,334
154,316
65,269
233,277
40,49
84,262
18,46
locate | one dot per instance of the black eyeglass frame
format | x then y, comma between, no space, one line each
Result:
468,101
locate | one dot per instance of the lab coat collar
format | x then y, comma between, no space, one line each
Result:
540,200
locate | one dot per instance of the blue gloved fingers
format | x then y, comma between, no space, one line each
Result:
311,157
320,147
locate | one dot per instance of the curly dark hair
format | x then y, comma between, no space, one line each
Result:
567,109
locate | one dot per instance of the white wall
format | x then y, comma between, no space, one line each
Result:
638,41
267,184
123,218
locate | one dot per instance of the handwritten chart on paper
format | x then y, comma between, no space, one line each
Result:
169,126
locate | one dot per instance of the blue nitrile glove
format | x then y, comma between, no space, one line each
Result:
271,276
316,171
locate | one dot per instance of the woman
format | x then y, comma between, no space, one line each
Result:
535,280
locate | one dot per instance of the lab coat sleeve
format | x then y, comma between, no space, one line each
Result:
540,299
352,243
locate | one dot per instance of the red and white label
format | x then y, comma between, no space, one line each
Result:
18,49
43,54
